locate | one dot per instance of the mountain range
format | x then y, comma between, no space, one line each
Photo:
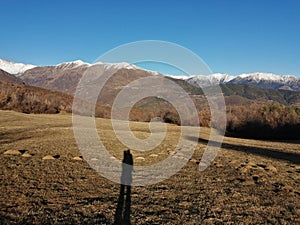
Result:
238,90
62,76
262,80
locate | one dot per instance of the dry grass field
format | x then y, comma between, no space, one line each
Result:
250,181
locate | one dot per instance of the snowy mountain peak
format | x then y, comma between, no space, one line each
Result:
263,80
215,77
121,65
209,80
222,76
72,64
78,63
14,68
260,76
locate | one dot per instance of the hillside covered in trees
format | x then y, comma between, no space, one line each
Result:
28,99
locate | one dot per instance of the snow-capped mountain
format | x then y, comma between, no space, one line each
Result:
65,76
43,76
263,80
118,66
19,68
210,80
268,80
14,68
72,65
123,65
107,66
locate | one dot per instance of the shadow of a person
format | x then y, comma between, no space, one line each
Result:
122,214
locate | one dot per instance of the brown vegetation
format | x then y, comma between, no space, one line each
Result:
271,121
29,99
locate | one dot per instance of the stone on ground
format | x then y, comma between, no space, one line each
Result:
48,157
78,158
12,152
26,154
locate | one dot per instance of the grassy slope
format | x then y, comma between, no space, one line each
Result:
240,187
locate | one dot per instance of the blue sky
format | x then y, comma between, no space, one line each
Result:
230,36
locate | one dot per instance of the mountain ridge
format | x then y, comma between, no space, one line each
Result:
263,80
7,77
33,74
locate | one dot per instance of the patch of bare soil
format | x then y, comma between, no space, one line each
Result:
44,180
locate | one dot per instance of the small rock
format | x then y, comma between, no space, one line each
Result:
48,157
153,155
139,158
193,160
78,158
26,154
12,152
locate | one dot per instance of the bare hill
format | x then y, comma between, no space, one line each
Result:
7,77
